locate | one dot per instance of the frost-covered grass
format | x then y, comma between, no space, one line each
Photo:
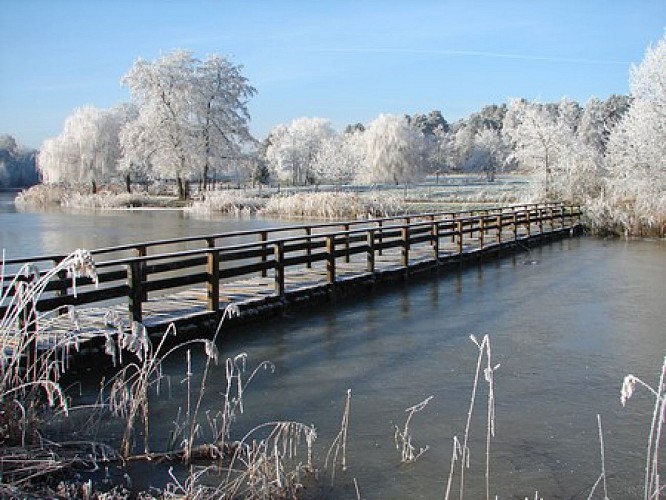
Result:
42,195
32,400
105,200
604,214
331,205
627,218
227,202
79,197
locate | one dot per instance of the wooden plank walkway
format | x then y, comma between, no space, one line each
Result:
262,278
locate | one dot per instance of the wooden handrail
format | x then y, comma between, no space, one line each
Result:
214,262
257,232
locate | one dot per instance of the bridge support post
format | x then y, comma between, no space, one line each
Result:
459,234
346,226
562,216
308,247
62,279
452,217
379,237
213,271
370,261
278,251
435,240
330,259
515,225
27,323
540,217
264,258
579,213
136,292
404,252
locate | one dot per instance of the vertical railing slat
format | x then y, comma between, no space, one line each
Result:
213,271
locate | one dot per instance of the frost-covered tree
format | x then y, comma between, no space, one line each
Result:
292,148
17,164
339,158
489,154
545,142
490,117
439,148
87,150
535,135
192,115
463,144
162,133
221,93
636,152
427,124
392,151
592,130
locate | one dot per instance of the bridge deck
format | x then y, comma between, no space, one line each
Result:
256,295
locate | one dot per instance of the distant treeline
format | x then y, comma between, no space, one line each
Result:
18,167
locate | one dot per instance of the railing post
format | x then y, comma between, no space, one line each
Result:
540,216
346,226
330,259
460,236
278,253
529,223
404,252
515,225
62,279
142,251
370,261
431,218
135,293
27,320
499,228
579,214
308,247
435,240
481,231
562,215
213,271
264,258
380,237
453,218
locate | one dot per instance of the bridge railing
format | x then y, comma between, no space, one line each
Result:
133,273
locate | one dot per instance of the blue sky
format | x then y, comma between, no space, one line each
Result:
347,61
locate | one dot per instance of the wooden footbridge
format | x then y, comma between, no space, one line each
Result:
192,280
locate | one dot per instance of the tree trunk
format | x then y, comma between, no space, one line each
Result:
94,186
181,188
205,176
128,184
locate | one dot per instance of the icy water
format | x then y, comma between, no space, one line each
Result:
566,322
57,231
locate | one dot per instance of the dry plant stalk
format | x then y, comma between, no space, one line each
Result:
30,363
257,468
461,451
602,476
340,441
652,486
403,439
129,388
